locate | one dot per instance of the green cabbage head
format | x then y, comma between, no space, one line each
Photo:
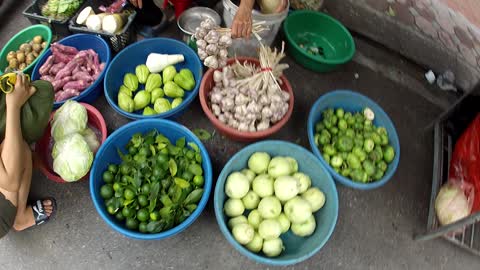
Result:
70,118
72,157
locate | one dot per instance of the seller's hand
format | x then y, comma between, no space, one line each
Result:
137,3
242,23
22,92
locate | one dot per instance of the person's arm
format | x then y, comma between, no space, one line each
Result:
242,22
12,156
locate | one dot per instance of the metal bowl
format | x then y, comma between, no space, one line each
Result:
192,17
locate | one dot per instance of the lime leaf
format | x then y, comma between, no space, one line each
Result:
180,142
182,183
202,134
172,166
194,146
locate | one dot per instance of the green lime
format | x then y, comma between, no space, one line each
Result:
111,209
113,168
106,191
154,216
132,223
119,216
198,180
108,177
143,227
146,188
125,169
142,214
129,194
117,186
142,200
127,212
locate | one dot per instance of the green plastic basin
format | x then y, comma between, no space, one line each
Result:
312,30
26,35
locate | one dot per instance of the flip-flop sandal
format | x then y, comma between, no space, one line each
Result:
39,213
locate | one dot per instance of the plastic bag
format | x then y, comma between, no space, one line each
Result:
465,163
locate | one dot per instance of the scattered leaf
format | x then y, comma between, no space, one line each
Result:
202,134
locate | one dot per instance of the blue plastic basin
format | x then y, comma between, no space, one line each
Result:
353,102
136,54
297,249
107,154
81,42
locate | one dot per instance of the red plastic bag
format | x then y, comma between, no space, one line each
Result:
465,163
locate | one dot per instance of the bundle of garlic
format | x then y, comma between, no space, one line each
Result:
212,44
249,98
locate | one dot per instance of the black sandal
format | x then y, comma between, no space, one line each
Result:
39,214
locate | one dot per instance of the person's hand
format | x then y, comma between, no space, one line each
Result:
242,23
22,92
137,3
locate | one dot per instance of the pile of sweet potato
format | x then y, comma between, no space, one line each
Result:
70,71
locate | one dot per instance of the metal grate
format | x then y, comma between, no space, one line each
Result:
464,233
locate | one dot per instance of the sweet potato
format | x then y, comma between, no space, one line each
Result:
67,70
66,94
77,85
56,67
65,49
59,83
45,68
49,78
82,75
61,57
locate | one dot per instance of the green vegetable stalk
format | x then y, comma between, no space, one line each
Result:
185,79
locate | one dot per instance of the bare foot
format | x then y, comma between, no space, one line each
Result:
26,219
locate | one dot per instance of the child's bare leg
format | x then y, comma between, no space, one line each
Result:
24,218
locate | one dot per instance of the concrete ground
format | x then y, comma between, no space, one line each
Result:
438,34
374,229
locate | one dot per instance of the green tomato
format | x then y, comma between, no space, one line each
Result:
358,142
326,157
376,138
345,172
359,175
334,120
369,167
353,161
361,155
108,177
388,154
382,130
368,145
344,144
378,174
319,127
339,112
382,165
329,150
334,130
384,139
143,215
350,133
113,168
336,161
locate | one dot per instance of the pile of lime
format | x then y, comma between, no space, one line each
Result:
157,185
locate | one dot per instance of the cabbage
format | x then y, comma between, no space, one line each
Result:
91,139
72,157
451,204
70,118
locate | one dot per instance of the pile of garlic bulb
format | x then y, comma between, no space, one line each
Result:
246,108
212,44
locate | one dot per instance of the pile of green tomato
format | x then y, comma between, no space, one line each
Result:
157,185
352,145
